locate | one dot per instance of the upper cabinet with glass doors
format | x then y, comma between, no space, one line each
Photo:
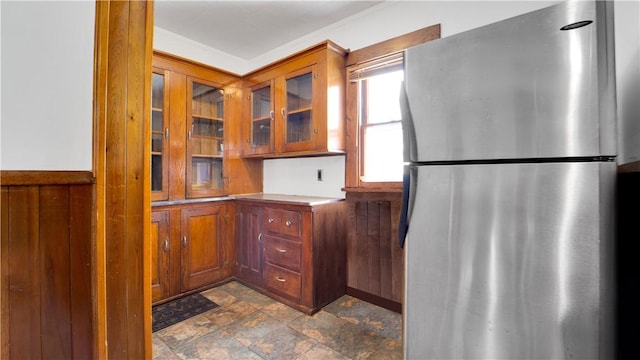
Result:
188,123
205,143
296,105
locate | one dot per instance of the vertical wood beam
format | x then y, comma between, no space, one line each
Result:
121,131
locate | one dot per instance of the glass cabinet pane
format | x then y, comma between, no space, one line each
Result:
157,132
299,120
206,137
261,117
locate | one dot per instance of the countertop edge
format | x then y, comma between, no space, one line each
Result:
261,197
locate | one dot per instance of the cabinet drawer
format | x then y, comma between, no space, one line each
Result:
282,252
282,222
282,281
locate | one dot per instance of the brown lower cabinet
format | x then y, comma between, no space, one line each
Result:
192,246
295,253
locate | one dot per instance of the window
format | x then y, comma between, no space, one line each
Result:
374,130
380,125
379,137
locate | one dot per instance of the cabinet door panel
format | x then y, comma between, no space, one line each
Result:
159,141
300,109
205,136
160,265
262,117
249,244
202,237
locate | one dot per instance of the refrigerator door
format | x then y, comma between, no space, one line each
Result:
510,261
519,88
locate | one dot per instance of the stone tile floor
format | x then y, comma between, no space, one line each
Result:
249,325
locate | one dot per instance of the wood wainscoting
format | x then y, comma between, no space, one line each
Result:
46,251
375,261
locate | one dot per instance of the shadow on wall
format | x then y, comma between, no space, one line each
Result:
629,109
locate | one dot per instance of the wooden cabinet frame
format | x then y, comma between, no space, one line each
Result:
193,255
325,63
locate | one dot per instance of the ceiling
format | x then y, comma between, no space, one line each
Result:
247,29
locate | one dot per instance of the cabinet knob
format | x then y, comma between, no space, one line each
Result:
271,220
272,115
280,279
282,250
259,237
166,245
283,113
288,222
184,241
166,133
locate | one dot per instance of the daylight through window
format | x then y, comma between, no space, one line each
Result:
380,123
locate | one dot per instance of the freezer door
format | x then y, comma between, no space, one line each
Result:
520,88
510,261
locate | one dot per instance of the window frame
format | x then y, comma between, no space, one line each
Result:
358,62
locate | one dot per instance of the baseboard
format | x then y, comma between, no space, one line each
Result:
375,299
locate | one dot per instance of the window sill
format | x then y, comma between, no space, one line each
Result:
392,188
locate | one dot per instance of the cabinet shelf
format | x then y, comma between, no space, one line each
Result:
263,118
195,136
219,156
298,111
204,117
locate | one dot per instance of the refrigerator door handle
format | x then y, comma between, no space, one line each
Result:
410,150
403,227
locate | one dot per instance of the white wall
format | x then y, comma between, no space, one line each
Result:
298,176
627,28
47,85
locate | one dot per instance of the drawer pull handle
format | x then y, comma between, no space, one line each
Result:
288,223
271,220
282,250
166,245
280,279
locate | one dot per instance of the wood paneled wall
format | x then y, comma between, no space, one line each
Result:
47,305
375,262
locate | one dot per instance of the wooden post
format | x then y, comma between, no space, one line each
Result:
122,73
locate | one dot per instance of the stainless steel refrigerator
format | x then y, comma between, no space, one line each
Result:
510,184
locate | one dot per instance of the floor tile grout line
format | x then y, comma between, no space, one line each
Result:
364,312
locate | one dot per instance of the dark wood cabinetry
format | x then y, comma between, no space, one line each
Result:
192,247
249,242
295,106
294,252
195,128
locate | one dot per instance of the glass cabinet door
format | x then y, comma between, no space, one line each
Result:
298,105
205,136
262,116
159,130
